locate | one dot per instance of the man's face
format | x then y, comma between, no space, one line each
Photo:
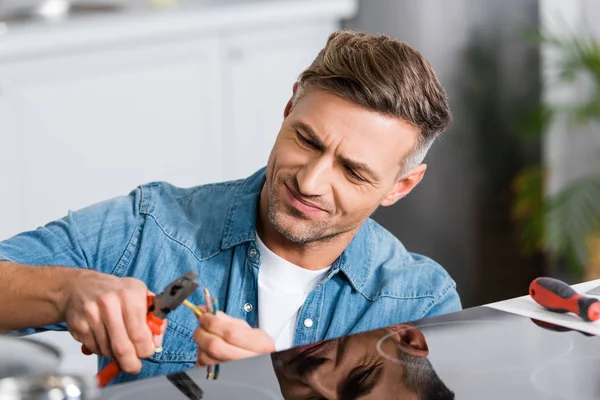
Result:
346,368
332,165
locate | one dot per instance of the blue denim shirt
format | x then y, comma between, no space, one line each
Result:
159,231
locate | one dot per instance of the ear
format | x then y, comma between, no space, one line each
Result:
290,103
404,185
410,339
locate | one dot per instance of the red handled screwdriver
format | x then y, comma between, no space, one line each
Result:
559,297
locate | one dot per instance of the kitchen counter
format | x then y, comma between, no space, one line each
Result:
142,19
478,353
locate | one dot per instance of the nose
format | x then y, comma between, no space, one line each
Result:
314,179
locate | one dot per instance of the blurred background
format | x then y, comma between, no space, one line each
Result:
99,96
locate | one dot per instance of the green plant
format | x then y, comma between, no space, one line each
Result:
561,224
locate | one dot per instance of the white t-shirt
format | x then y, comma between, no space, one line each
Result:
282,289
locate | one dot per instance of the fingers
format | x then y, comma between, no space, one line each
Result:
134,315
98,336
122,347
223,338
237,332
212,349
81,332
108,315
204,360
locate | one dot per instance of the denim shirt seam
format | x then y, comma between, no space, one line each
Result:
369,257
439,296
167,234
129,250
145,209
173,358
180,330
443,293
396,297
359,285
230,217
228,239
369,262
244,283
211,187
132,243
77,237
321,303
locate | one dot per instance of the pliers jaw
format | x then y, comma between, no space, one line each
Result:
174,294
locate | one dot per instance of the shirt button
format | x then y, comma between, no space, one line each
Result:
247,307
308,322
252,253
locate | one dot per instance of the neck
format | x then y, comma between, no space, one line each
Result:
314,256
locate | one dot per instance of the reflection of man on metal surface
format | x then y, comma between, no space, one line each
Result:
381,364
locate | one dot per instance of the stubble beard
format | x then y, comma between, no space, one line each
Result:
301,233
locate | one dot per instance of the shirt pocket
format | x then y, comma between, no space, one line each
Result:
178,343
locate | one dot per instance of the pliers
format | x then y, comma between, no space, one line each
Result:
159,307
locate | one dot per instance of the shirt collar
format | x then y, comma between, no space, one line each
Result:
240,222
356,260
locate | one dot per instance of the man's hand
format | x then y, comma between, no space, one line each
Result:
108,315
223,338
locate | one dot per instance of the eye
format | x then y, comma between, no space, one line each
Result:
357,382
361,381
360,378
353,174
306,141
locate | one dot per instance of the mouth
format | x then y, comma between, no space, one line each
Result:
306,207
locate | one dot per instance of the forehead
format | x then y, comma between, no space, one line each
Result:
361,132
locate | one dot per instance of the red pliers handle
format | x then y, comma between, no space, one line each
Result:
112,369
159,307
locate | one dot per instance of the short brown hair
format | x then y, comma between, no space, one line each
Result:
386,75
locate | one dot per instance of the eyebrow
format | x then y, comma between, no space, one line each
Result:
355,165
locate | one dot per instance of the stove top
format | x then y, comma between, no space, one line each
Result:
479,353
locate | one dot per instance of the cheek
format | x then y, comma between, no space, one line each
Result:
287,154
355,200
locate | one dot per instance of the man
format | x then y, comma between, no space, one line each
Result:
290,252
380,364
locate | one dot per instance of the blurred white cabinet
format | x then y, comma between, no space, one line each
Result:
93,125
9,172
260,70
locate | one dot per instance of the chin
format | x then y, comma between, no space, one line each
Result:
289,228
